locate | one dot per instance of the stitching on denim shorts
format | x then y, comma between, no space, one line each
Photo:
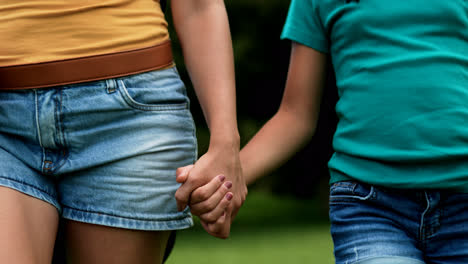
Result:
29,185
346,184
60,131
146,107
38,127
351,186
36,108
123,217
389,256
60,123
63,160
371,194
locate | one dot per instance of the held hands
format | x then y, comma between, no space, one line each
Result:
214,197
211,203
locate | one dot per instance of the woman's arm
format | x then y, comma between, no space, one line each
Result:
203,30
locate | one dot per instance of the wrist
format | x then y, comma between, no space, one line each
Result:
225,141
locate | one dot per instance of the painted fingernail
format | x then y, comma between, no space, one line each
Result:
224,213
228,185
229,196
221,178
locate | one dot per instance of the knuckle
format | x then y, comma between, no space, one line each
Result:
238,202
195,211
209,217
197,182
204,207
209,207
214,229
179,197
202,195
223,204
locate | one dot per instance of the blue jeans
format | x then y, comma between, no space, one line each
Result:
101,152
374,225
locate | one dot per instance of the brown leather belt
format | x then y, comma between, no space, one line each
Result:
86,69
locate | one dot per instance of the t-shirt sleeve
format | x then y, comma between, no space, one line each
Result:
303,25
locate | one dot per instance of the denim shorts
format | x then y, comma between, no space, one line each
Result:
373,225
102,152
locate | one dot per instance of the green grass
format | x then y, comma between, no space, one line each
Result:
268,229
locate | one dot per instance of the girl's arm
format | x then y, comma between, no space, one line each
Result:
282,136
203,30
294,123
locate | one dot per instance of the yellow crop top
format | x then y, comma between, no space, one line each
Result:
33,31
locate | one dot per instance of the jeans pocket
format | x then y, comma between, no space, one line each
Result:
350,191
154,91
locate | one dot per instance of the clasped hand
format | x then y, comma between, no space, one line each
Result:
214,189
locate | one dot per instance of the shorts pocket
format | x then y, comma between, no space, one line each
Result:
161,90
349,191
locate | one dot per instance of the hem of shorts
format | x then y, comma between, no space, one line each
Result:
183,222
389,260
30,190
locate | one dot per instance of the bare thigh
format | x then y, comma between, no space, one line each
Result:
94,244
28,227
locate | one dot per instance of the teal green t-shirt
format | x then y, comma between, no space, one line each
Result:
402,76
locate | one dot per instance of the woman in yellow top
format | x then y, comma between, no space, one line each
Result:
94,120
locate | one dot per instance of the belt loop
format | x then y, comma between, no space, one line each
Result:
111,85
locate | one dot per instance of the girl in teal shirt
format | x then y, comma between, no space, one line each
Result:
399,173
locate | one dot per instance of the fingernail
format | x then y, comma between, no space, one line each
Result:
228,185
221,178
224,213
229,196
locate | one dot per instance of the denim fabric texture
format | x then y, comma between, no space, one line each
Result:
373,225
101,152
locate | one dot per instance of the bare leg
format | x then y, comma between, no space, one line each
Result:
94,244
27,228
